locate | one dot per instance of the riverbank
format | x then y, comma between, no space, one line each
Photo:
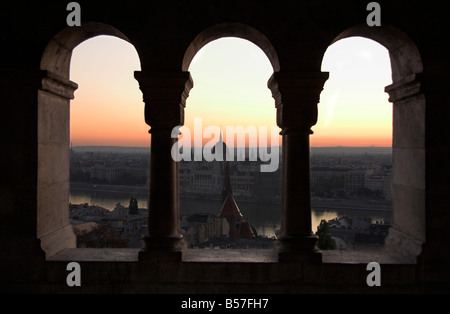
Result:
89,187
316,203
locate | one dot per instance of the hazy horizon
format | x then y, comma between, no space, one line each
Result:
337,146
87,148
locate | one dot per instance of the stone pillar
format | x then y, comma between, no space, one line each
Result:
53,163
165,95
296,96
407,233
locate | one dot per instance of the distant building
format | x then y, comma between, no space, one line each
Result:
267,187
125,223
351,231
202,227
84,212
380,182
239,227
354,181
230,223
319,174
204,179
117,228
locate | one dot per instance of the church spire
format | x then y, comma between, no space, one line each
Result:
226,189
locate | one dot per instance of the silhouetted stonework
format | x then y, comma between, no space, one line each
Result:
37,240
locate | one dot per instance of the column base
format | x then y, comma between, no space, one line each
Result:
404,244
163,249
297,249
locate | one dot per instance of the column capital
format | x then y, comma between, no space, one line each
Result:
296,97
57,85
164,95
409,86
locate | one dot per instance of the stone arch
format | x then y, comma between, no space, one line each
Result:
296,94
407,233
231,30
53,134
404,55
165,94
57,54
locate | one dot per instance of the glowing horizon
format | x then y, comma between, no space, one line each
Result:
230,89
353,104
107,109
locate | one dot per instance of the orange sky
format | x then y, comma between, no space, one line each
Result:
230,89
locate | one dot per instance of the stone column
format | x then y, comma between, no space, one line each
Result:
53,163
296,96
165,95
407,233
35,178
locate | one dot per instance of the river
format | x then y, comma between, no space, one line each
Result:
265,218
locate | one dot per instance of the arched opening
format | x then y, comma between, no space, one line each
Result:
57,55
351,149
231,30
53,227
407,233
230,65
109,146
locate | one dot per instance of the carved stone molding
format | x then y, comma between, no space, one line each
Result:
296,97
164,95
406,245
57,85
409,86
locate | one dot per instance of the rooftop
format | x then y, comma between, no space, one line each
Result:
230,209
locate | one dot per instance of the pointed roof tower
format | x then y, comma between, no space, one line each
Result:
230,209
226,189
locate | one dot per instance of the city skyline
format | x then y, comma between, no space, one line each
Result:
108,107
343,182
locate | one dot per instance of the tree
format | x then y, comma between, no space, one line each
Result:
133,207
325,242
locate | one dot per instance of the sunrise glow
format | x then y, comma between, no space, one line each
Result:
354,109
230,89
108,108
